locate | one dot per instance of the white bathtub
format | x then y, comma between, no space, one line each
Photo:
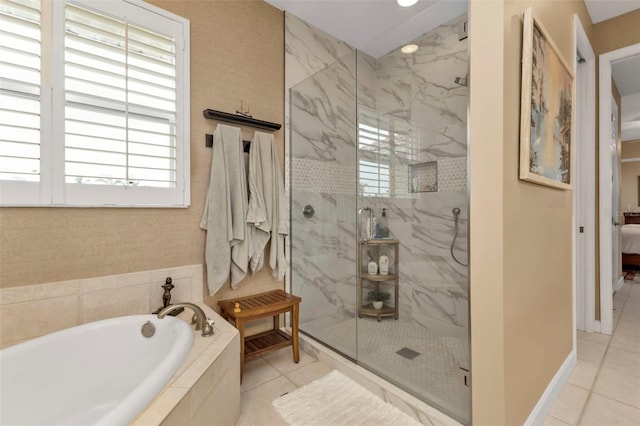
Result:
103,372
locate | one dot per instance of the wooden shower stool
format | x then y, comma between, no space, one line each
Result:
263,305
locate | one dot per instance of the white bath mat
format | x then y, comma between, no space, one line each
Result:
337,400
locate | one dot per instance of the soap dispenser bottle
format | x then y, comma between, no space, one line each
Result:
384,228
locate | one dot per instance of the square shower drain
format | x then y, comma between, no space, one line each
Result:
407,353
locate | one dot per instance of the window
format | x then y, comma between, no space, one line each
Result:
112,125
373,160
386,147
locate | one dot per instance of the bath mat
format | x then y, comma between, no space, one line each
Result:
337,400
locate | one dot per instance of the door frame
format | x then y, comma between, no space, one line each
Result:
606,251
584,197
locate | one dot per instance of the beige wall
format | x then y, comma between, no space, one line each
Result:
237,54
629,179
521,292
631,149
615,33
629,186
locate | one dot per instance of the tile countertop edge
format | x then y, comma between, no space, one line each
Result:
191,370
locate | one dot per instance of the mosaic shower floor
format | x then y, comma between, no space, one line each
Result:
389,347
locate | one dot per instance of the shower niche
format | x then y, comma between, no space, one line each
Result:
423,177
377,279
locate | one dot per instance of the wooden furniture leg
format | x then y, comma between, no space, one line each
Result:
240,327
294,332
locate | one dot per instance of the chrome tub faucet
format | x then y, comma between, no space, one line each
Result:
199,317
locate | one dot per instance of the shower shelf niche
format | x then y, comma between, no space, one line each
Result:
377,282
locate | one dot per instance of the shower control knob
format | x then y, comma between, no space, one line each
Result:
308,211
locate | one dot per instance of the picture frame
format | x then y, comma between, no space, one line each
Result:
547,109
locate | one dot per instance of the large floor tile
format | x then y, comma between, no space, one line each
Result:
590,351
626,336
619,386
632,306
256,372
630,315
282,360
552,421
309,373
602,339
255,404
601,411
634,294
622,360
569,404
584,374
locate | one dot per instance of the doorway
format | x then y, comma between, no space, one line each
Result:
584,193
609,218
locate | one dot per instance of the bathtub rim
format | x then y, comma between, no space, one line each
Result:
137,400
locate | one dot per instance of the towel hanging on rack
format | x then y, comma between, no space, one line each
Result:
225,211
268,206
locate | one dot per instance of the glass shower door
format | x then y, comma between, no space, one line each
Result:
412,163
322,181
387,135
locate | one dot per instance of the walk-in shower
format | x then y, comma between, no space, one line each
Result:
385,135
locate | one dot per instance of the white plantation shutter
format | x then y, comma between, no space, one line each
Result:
373,157
20,37
119,106
120,102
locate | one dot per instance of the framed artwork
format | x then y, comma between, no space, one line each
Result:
546,113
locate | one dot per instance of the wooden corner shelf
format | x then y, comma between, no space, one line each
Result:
378,246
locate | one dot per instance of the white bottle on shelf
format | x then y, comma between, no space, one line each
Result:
372,268
384,264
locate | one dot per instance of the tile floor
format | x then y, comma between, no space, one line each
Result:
604,388
270,376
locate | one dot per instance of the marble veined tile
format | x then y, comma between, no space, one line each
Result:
309,50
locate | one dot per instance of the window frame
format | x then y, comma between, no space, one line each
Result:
52,190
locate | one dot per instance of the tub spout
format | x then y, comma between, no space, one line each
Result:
201,320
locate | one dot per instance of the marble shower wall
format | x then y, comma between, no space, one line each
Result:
417,94
321,116
414,96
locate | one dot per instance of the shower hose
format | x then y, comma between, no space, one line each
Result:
456,212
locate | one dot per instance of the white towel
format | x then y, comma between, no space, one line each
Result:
225,211
268,206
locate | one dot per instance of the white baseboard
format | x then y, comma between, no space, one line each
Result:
548,398
619,284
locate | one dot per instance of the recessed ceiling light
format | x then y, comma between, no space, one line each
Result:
409,48
407,3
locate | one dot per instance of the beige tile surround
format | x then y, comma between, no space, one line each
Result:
31,311
206,387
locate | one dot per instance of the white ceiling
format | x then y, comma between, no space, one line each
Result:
601,10
374,26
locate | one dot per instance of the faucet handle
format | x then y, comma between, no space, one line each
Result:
207,328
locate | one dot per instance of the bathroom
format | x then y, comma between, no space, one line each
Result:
238,55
